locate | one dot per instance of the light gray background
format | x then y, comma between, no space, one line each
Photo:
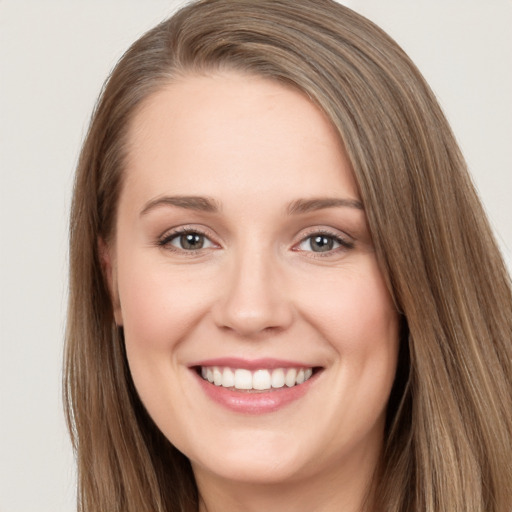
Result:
54,57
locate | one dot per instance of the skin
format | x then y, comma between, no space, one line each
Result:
257,288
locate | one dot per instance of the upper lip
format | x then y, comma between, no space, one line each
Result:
252,364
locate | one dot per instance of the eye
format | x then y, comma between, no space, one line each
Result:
186,240
323,242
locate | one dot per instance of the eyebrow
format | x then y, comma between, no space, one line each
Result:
210,205
197,203
309,205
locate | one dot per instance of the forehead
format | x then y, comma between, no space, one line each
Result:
208,134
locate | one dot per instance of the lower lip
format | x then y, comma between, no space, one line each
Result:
260,402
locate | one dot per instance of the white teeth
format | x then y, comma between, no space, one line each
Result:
217,377
243,379
278,378
259,380
291,375
228,378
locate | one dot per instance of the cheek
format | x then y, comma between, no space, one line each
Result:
355,315
353,308
160,308
371,350
158,305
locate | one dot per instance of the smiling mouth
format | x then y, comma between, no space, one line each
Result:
261,380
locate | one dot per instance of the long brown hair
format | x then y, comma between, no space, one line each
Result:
448,444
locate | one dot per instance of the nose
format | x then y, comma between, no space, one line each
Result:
253,298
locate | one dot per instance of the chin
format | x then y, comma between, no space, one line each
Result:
263,461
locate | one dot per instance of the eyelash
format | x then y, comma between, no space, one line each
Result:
344,244
167,238
165,241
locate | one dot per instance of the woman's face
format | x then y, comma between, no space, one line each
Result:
243,255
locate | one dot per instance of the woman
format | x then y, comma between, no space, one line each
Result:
284,292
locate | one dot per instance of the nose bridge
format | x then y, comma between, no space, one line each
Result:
253,298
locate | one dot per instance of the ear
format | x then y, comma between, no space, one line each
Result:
109,270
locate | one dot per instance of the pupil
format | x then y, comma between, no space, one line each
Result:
192,241
322,243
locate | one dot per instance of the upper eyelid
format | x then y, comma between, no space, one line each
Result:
321,230
342,242
179,230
